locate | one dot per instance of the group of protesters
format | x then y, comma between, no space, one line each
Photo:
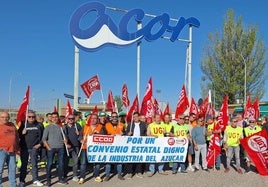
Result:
61,140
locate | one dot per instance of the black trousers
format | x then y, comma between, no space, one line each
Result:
136,167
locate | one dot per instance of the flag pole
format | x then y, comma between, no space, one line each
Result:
64,139
84,138
25,122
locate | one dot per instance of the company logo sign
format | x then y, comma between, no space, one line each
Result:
257,143
104,32
103,139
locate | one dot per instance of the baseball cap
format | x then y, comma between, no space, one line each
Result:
87,113
102,113
122,114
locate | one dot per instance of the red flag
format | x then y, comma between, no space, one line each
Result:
91,85
194,108
167,110
256,107
147,105
210,110
203,107
95,111
134,108
21,115
256,147
248,109
182,103
156,108
110,106
69,110
223,116
125,99
214,149
55,109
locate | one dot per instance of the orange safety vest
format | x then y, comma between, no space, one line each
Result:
113,130
89,131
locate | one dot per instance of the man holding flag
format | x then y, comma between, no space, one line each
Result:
54,141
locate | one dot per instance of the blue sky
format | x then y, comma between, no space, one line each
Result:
36,49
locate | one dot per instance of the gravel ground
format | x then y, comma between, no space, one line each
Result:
200,178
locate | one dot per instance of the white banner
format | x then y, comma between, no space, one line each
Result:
127,149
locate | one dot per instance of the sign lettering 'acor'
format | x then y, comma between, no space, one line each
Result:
104,32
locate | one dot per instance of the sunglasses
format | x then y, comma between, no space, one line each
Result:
114,116
71,118
234,121
31,116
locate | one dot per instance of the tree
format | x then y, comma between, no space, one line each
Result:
224,59
119,103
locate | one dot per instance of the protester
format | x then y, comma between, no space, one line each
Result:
231,143
156,129
191,121
91,128
9,145
30,134
211,129
54,141
180,130
250,130
73,132
136,128
114,128
200,146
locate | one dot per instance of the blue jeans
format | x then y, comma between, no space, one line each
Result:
10,159
108,169
60,157
160,168
24,162
176,165
83,166
231,151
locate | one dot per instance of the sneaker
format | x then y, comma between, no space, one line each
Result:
218,168
183,172
81,181
98,179
106,178
190,168
120,177
37,183
174,172
226,170
163,173
196,169
21,184
62,182
150,174
139,175
206,170
75,179
48,184
128,176
240,171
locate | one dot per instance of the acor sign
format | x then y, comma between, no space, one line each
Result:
104,32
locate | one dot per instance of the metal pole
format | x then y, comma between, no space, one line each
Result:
190,65
245,83
76,76
139,26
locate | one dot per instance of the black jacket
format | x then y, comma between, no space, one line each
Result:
143,128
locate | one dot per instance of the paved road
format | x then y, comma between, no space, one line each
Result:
200,179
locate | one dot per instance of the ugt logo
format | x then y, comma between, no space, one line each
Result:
104,32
